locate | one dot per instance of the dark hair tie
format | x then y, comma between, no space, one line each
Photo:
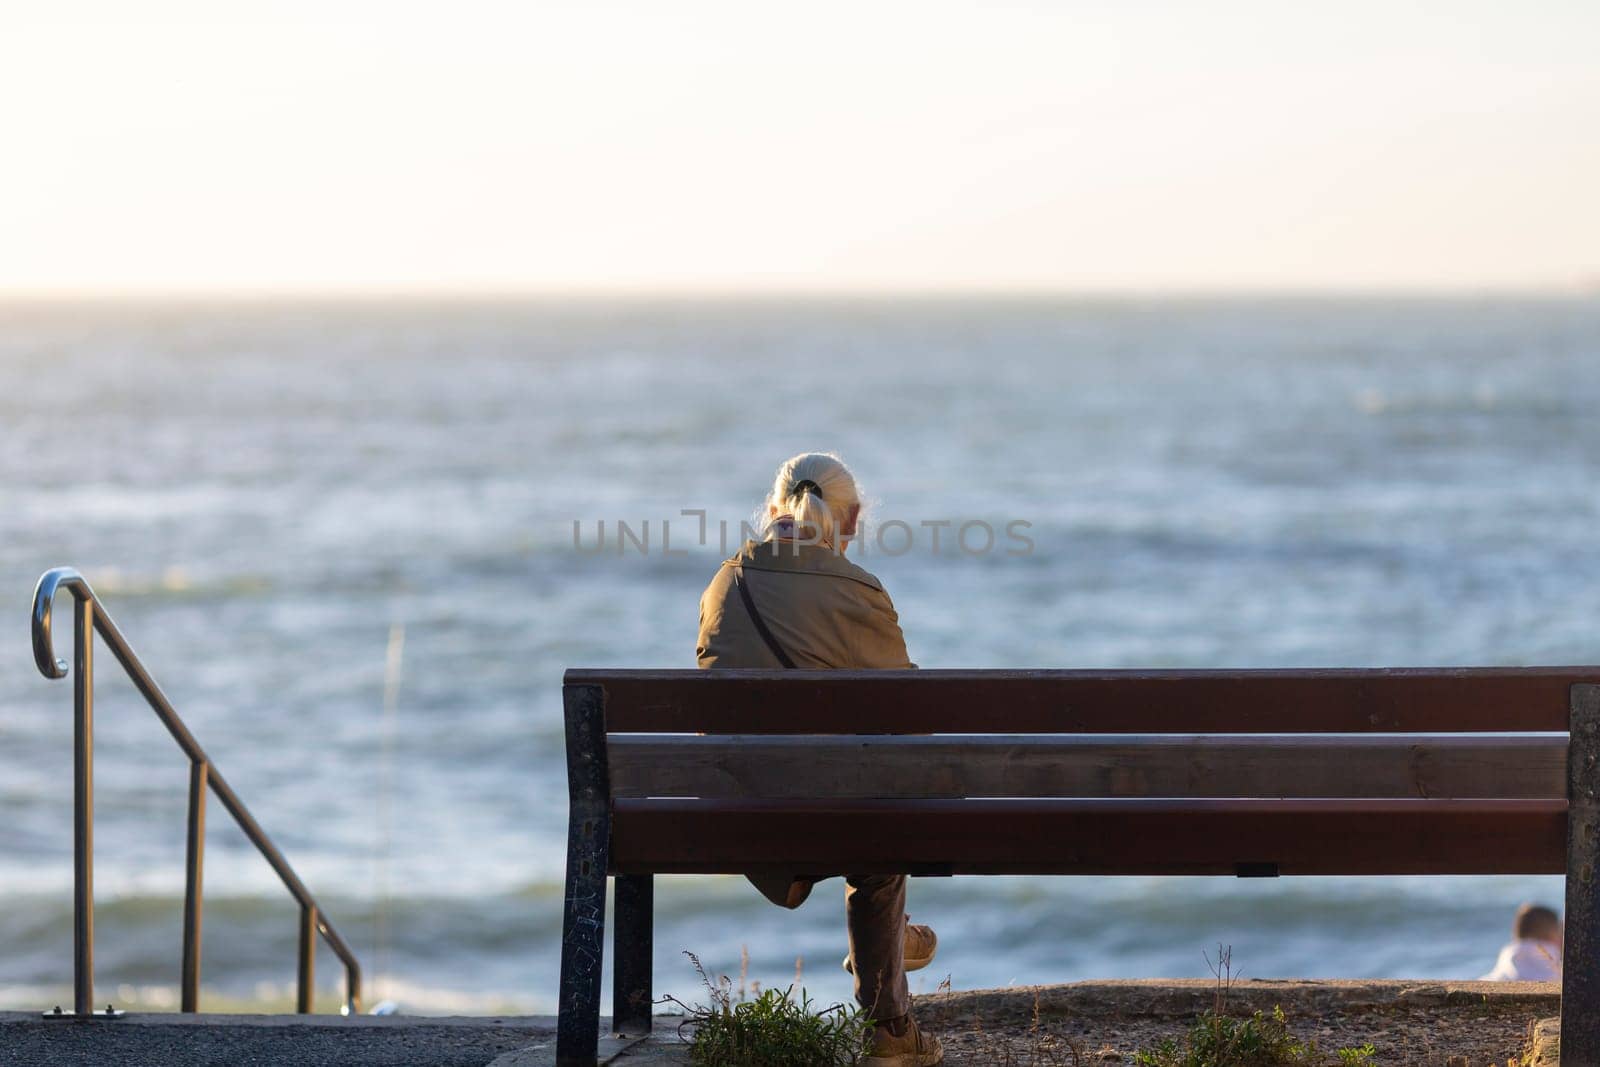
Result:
803,486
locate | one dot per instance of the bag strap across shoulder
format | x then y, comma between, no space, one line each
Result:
755,617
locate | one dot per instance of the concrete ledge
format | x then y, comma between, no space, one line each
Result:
339,1022
1544,1048
1175,998
655,1050
1107,1020
158,1040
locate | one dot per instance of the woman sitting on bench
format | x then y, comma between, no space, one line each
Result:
794,600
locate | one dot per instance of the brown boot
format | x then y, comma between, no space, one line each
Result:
921,944
898,1043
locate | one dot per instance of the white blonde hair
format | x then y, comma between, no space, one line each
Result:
815,490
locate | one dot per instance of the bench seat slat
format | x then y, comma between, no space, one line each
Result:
810,766
1090,836
1410,700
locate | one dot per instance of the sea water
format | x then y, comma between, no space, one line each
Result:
273,498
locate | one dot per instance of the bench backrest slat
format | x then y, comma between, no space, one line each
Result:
822,767
1412,700
1092,837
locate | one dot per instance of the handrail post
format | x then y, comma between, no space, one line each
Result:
83,809
352,989
199,773
308,958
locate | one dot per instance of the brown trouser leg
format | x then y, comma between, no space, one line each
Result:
875,914
875,909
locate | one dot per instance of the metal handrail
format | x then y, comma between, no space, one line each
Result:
89,616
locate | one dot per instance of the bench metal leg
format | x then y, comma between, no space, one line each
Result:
583,923
632,952
1580,970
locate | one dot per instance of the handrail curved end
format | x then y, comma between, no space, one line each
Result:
44,596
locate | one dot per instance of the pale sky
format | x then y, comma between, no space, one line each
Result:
158,145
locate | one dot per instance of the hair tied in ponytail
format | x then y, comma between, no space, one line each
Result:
806,492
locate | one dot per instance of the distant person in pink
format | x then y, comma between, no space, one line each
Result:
1534,952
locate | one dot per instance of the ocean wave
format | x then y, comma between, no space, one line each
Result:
173,582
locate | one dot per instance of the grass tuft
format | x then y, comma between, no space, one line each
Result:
1257,1040
774,1029
1218,1039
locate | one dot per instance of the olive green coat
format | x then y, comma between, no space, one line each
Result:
824,610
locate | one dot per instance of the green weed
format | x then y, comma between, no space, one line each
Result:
1218,1039
774,1029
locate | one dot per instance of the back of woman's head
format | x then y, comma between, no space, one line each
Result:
1536,923
819,493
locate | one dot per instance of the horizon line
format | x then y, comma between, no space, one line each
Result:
599,294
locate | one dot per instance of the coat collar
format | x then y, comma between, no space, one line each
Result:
792,557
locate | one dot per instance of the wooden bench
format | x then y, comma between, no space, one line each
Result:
1248,773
